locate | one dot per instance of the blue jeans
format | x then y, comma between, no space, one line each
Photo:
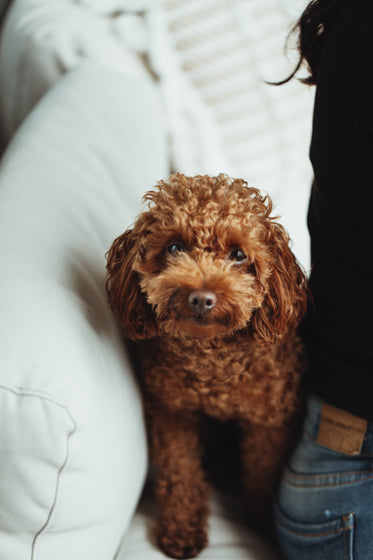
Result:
324,507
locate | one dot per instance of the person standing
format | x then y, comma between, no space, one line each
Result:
324,508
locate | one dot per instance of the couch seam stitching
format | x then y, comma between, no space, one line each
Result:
20,392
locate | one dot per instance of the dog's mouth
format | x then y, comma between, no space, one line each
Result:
201,321
198,320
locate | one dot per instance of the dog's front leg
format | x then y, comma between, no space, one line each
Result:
264,450
180,487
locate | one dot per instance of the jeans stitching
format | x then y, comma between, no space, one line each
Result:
330,485
326,475
345,530
348,536
313,535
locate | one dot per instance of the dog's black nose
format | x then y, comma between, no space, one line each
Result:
201,301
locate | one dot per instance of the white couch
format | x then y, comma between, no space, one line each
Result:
73,447
73,456
73,452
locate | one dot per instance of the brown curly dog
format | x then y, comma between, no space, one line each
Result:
207,282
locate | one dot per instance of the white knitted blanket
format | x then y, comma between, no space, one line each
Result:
212,59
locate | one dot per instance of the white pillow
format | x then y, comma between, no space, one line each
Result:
42,39
72,441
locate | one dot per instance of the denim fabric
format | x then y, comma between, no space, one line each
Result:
324,507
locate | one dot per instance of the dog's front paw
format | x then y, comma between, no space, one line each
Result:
181,541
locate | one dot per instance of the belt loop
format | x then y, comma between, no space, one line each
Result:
341,431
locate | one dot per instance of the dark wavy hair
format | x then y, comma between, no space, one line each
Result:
312,29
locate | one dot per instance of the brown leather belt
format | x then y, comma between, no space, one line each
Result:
341,431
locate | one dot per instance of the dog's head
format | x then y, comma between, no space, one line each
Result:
205,260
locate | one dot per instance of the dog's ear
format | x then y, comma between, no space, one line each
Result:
123,289
285,292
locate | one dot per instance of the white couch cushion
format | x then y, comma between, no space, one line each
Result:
72,441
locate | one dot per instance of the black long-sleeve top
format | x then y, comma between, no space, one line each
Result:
339,326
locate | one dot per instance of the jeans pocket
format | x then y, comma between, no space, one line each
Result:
330,540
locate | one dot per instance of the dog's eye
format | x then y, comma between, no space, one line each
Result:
176,247
237,255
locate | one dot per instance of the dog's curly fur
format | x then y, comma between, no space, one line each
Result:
207,282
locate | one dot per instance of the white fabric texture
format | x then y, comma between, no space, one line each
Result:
210,59
72,439
41,40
